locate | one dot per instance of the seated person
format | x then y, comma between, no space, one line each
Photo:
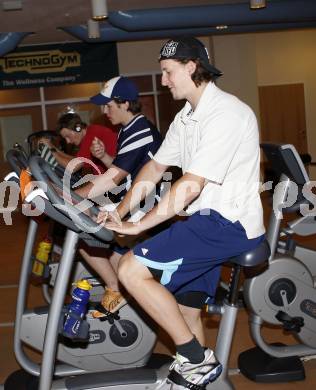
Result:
71,127
215,140
138,141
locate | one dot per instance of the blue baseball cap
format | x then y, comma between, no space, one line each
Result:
120,88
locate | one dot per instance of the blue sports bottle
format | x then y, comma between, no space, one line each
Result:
77,309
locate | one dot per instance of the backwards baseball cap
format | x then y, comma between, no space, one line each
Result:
188,48
120,88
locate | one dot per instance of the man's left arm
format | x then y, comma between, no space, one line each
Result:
99,151
181,194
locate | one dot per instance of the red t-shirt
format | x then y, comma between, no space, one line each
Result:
107,136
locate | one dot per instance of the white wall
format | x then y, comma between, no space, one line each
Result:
142,56
15,129
138,57
235,56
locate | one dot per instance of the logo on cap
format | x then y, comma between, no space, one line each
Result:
169,49
208,56
105,86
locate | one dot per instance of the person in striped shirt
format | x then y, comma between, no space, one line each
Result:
138,140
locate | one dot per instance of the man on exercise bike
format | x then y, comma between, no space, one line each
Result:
138,141
215,140
85,137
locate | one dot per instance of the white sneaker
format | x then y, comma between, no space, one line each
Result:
186,375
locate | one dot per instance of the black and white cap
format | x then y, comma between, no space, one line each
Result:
188,47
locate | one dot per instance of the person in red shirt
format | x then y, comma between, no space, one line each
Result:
75,132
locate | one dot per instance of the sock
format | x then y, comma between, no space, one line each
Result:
192,350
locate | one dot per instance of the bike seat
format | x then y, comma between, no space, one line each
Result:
254,257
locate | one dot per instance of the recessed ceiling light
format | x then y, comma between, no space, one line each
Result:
256,4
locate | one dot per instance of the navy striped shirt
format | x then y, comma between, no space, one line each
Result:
137,142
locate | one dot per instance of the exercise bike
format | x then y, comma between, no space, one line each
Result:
123,341
285,294
81,270
18,163
137,378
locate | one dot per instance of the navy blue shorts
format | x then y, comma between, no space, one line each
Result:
187,256
120,249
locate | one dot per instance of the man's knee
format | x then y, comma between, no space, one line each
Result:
124,266
130,271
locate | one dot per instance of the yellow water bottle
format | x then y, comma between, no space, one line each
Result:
41,259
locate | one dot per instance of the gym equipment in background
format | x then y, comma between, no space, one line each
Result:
285,294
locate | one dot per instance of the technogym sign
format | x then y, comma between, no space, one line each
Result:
35,66
40,62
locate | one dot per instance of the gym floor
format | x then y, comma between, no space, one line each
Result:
12,243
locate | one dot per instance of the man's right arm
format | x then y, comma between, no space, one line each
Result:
148,177
102,183
63,159
107,159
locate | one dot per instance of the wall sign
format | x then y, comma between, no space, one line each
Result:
42,66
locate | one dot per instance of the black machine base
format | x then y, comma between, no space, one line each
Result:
258,366
21,380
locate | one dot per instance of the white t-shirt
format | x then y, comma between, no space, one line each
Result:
220,142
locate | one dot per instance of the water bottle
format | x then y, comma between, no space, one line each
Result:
41,258
74,324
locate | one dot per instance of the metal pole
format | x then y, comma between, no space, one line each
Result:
22,359
60,289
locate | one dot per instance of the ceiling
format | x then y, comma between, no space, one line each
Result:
44,18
